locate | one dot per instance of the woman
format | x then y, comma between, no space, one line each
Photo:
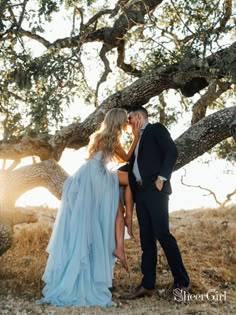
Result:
80,263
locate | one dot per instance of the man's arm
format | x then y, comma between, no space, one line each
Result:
168,150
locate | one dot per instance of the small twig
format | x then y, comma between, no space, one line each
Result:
228,197
98,15
203,188
127,68
22,14
214,91
222,204
81,17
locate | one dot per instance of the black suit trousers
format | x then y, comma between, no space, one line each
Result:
153,218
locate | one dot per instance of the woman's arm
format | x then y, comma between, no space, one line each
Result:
121,154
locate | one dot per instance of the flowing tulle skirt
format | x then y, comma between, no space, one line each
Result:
79,269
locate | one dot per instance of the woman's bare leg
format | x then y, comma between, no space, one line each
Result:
129,206
129,203
119,252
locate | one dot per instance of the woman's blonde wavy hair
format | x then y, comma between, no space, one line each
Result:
107,138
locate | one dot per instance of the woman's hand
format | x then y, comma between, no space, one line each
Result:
120,150
136,128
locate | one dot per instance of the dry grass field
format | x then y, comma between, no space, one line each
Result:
207,241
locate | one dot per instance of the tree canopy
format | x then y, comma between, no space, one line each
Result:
111,54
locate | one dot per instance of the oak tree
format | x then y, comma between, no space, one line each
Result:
111,54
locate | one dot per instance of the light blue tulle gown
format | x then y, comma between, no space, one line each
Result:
79,269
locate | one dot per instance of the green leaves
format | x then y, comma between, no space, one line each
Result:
43,79
47,7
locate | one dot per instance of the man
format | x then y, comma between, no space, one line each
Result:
150,170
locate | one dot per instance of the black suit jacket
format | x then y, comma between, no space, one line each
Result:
157,155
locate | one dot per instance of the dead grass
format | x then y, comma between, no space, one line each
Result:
207,241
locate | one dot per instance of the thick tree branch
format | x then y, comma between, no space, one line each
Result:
26,147
214,91
105,48
34,36
204,135
140,92
129,69
47,174
120,5
97,16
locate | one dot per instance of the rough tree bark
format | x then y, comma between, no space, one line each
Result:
13,184
204,135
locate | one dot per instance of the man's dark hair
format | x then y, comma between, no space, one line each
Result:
140,109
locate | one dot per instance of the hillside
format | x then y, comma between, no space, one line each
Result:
207,241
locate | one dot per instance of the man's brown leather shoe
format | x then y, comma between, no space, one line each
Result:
140,292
